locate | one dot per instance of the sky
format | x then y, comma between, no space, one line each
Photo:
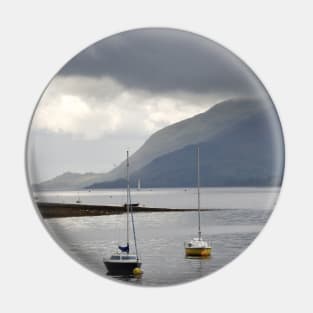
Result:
117,92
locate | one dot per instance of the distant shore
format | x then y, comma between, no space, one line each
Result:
53,210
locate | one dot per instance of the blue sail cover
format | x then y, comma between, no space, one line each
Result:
124,249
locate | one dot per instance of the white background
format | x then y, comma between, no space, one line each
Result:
274,38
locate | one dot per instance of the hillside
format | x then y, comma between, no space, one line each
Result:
243,154
241,144
199,128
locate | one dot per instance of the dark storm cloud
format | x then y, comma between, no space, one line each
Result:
163,60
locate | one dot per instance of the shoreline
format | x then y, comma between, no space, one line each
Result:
55,210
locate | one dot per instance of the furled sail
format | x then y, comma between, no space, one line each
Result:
124,248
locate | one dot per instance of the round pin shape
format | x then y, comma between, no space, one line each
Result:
155,157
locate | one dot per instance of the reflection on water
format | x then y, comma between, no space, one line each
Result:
161,237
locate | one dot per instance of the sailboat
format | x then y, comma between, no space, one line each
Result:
78,198
197,246
122,262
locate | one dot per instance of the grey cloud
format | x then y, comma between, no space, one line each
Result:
165,60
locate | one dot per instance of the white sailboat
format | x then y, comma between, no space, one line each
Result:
122,262
78,198
197,246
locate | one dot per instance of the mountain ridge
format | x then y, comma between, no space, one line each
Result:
175,136
246,154
201,128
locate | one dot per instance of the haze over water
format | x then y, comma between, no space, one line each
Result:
179,198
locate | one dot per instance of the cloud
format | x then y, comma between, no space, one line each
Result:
93,107
70,114
141,81
165,60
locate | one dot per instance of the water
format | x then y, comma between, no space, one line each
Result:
160,235
182,198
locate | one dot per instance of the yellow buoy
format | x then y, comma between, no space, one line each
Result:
137,271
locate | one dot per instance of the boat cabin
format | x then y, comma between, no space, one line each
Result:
123,257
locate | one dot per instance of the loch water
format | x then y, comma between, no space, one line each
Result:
234,219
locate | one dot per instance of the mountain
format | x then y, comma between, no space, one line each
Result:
248,151
199,128
240,140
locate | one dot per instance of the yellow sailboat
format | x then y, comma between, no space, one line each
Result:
197,246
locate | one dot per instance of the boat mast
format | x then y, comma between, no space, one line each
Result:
198,183
133,224
128,199
130,209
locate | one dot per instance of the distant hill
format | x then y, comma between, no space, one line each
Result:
244,154
68,181
240,140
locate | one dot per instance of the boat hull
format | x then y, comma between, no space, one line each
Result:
198,251
121,268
